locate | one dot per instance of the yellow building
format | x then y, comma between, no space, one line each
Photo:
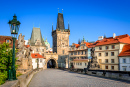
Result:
79,55
108,49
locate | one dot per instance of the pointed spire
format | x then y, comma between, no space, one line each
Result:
68,25
84,39
79,42
87,40
52,26
58,10
46,39
62,10
43,38
60,22
104,36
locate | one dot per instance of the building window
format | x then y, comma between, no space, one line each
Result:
124,60
112,67
85,52
106,67
7,41
76,64
106,53
100,60
71,53
106,60
113,46
75,53
85,64
112,60
112,53
99,54
78,53
43,55
37,49
124,68
63,51
80,64
42,50
100,48
40,60
82,52
107,47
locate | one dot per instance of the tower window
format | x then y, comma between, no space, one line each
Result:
63,51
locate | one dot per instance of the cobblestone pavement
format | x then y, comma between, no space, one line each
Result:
60,78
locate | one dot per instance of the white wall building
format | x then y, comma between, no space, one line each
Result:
124,63
124,58
38,61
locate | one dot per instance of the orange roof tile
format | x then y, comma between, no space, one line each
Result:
77,45
118,39
27,46
36,55
4,38
87,44
125,51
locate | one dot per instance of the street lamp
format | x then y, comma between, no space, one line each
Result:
14,28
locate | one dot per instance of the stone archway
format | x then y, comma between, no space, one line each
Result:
51,63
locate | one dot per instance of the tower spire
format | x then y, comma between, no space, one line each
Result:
62,10
58,10
68,25
83,39
104,35
52,26
60,22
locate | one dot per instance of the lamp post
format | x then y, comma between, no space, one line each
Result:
14,28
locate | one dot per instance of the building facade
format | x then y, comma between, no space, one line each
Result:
124,58
79,55
108,49
38,61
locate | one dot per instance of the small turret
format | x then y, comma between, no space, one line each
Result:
52,27
68,26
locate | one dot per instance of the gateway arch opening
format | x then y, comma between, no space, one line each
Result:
51,63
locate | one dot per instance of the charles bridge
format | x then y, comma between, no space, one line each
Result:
70,78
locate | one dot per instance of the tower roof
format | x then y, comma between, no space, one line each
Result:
36,34
60,21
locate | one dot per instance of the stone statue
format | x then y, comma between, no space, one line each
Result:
93,64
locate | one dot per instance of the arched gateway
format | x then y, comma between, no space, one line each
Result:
51,60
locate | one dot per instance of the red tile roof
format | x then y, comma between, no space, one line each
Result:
4,38
118,39
36,55
77,45
27,46
125,51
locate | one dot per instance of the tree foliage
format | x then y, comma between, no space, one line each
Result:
5,61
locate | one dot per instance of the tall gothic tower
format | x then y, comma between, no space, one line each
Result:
60,37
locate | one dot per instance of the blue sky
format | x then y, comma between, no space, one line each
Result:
88,18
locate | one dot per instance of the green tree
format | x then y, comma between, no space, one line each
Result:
5,61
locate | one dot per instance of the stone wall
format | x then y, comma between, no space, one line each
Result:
22,81
110,74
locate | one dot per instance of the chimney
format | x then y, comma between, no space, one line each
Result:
114,35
